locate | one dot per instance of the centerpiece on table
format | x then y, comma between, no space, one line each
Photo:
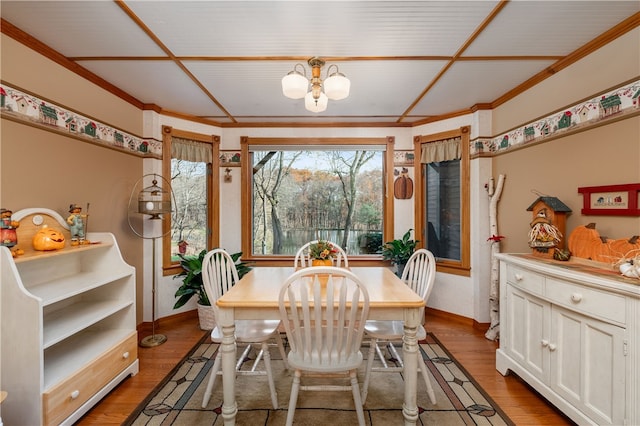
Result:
322,253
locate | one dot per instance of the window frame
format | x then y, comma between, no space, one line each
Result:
463,266
213,181
247,181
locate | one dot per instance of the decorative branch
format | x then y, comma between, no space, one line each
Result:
494,293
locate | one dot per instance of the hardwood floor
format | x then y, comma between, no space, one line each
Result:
478,356
466,343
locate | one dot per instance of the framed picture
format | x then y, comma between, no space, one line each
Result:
613,200
229,158
403,158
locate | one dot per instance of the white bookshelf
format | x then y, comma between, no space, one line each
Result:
68,325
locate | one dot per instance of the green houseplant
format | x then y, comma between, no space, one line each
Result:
399,251
191,276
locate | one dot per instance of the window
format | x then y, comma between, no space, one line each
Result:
190,165
297,190
442,198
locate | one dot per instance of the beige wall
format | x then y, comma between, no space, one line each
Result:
46,169
604,69
28,70
606,155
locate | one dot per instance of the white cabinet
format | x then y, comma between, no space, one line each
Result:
573,336
68,329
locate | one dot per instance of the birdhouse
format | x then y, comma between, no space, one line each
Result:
547,233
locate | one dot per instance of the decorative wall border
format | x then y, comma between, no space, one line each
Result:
27,107
606,106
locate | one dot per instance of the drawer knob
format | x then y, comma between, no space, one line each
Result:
125,355
544,343
552,347
519,277
576,297
75,394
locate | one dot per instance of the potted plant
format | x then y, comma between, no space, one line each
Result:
399,251
192,285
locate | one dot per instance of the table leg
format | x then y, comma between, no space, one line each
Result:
228,350
410,353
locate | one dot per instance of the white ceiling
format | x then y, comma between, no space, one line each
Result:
407,61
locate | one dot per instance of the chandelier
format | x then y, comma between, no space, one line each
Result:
295,85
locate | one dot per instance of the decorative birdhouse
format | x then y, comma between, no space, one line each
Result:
548,226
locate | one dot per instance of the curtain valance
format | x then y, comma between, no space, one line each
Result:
442,150
190,150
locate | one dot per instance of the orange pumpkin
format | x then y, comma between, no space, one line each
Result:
585,242
48,239
624,247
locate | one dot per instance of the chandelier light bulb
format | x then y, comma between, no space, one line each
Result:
316,105
294,85
336,86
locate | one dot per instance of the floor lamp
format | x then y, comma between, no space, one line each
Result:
153,202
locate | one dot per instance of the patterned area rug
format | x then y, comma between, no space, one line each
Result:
178,400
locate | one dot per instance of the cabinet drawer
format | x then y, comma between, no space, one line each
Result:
525,279
587,300
62,400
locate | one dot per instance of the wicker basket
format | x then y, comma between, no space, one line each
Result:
206,317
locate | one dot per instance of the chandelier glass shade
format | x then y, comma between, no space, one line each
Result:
295,85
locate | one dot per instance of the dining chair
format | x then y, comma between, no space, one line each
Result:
419,274
219,274
303,259
323,309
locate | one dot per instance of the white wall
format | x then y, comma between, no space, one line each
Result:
468,296
230,207
459,295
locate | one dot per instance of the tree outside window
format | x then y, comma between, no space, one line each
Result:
300,193
190,228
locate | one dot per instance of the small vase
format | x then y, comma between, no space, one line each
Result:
321,262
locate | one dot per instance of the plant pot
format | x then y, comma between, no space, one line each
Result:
206,317
400,269
321,262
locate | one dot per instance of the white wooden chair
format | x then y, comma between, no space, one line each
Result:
218,275
302,259
419,273
323,309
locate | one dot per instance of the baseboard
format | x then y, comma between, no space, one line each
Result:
145,327
470,322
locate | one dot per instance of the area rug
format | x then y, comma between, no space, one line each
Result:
178,399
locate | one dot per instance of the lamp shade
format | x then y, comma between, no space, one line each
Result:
337,87
294,85
314,105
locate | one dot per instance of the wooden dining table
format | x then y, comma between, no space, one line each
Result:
255,296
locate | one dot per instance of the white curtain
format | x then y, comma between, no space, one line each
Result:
443,150
190,150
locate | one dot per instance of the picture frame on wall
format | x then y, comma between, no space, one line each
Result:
229,158
404,158
611,200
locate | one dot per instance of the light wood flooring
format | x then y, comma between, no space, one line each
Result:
466,343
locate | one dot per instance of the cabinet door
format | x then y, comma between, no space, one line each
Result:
588,365
528,332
